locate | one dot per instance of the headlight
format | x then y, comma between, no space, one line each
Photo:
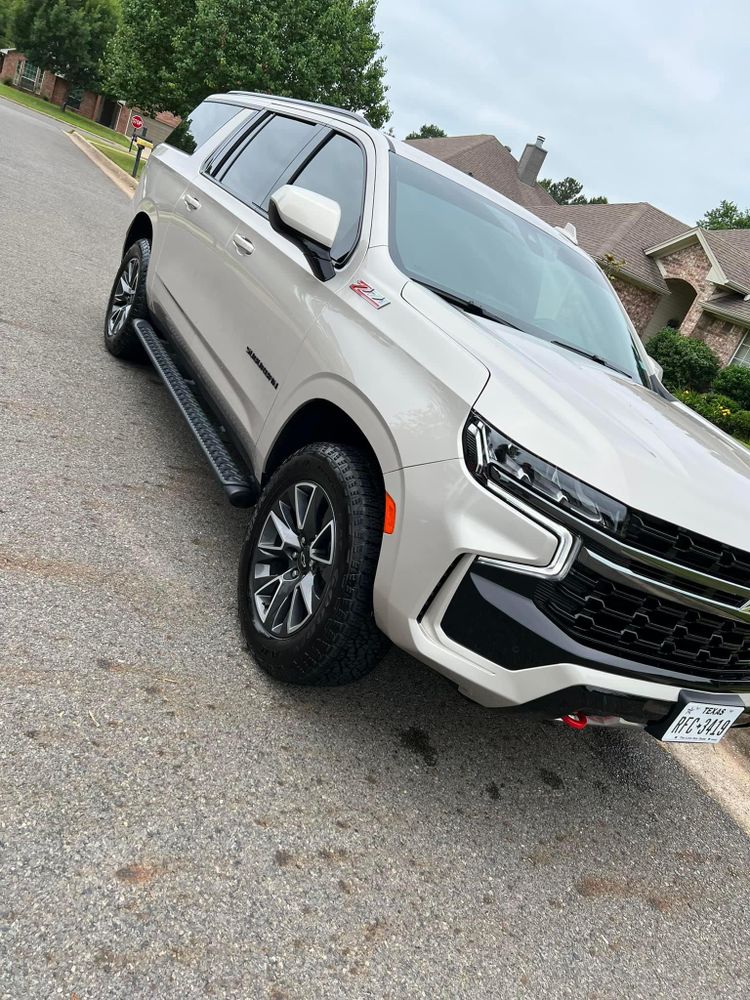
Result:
492,457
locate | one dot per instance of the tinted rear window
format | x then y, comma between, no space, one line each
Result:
200,125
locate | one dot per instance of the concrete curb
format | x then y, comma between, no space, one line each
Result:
124,181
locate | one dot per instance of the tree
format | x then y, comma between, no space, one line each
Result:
6,24
428,132
66,36
726,216
141,56
315,50
568,192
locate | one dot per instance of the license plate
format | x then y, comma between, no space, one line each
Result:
702,722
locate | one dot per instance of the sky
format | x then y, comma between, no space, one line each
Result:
641,101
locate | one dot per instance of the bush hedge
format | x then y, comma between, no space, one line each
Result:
734,381
694,374
741,425
688,363
720,410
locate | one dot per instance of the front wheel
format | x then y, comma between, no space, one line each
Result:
127,301
308,565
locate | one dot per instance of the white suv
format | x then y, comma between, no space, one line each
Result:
449,431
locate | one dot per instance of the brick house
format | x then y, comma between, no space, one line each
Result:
20,72
697,280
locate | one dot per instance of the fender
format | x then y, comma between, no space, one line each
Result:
347,397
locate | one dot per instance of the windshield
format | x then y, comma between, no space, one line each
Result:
455,240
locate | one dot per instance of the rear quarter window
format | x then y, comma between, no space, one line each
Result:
201,124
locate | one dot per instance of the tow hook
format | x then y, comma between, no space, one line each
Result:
576,721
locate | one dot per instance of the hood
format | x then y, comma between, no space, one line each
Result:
653,454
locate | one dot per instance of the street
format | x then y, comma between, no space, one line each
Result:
175,825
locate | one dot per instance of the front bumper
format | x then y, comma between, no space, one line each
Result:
455,587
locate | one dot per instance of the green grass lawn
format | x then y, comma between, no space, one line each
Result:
70,117
121,157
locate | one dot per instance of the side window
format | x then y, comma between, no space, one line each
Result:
338,171
200,125
251,175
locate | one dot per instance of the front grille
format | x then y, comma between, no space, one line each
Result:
674,579
631,623
660,538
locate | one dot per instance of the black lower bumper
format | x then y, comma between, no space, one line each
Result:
590,701
493,614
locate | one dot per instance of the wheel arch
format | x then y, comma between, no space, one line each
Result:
321,419
141,228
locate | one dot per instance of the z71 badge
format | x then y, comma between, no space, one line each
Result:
368,293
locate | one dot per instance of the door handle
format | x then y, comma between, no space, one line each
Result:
242,245
192,203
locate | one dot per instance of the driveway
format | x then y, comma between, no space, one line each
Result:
174,825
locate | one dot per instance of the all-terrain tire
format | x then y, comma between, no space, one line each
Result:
121,338
340,642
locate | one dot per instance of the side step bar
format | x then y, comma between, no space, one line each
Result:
240,486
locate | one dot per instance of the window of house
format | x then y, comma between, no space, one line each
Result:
338,172
742,354
252,175
74,98
28,75
200,125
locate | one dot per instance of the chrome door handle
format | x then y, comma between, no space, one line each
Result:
242,245
192,203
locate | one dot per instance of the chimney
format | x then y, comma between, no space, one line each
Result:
531,161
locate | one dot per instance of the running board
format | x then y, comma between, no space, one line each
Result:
240,486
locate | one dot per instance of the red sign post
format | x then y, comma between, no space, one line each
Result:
137,122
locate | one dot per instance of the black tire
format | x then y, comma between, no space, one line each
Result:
122,340
340,641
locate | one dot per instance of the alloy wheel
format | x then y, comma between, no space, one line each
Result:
123,297
292,562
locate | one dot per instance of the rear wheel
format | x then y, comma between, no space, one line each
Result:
127,301
308,566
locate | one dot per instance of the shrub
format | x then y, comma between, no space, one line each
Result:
734,381
720,410
687,363
741,425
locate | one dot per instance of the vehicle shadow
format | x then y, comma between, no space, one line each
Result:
405,723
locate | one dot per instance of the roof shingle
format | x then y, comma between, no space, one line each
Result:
485,159
732,306
624,230
731,247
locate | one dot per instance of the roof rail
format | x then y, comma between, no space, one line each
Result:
305,104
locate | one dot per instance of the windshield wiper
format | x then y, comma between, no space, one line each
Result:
592,357
473,308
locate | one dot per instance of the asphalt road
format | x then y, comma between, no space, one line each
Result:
173,825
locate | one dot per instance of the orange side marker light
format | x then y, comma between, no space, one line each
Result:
389,524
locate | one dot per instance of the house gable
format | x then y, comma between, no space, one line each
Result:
690,263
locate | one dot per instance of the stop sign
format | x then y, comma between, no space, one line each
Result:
136,121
